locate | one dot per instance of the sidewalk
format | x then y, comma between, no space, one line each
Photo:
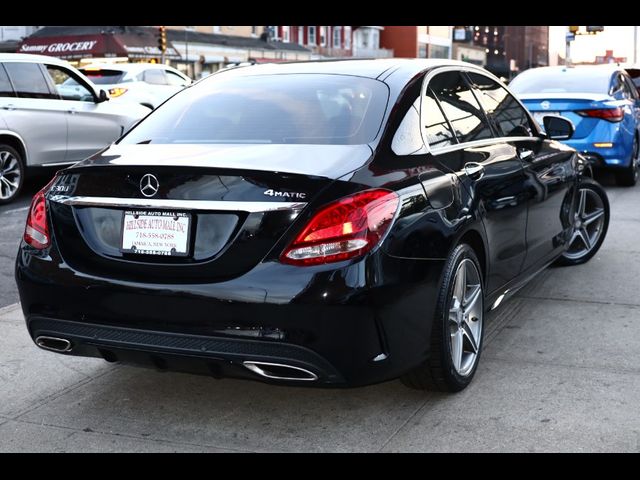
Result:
559,372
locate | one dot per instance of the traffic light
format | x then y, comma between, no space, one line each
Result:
162,39
574,29
594,29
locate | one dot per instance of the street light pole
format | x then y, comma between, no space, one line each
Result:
635,45
186,43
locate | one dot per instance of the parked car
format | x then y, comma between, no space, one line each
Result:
46,122
324,223
603,104
148,84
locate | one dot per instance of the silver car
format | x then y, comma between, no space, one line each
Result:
52,115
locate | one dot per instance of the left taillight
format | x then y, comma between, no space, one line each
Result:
36,231
344,229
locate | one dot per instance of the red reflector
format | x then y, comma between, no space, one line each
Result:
609,114
36,232
344,229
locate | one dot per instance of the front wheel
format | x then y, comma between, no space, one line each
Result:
591,221
456,334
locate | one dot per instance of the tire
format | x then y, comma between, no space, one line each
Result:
583,246
628,177
439,372
12,173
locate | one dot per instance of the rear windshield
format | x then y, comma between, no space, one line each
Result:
104,77
276,109
570,80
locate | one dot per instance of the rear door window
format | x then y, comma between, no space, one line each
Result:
6,90
28,80
460,107
437,130
155,77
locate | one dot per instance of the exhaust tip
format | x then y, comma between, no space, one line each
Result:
278,371
54,344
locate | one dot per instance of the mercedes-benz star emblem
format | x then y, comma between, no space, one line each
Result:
149,185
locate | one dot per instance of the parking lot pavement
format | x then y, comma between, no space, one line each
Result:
559,372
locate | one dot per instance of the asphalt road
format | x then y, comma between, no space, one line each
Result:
559,372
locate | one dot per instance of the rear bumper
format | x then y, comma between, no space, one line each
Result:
617,156
349,325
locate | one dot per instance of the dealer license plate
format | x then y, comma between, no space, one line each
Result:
156,233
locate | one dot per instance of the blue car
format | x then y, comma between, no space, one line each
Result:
603,104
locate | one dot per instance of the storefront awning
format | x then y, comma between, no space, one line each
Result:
101,45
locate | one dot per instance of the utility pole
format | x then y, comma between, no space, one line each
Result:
635,45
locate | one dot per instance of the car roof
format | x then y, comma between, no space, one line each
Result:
29,57
595,70
359,67
126,67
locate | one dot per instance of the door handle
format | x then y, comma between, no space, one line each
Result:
524,154
9,107
473,170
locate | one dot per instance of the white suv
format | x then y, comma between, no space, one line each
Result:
148,84
52,115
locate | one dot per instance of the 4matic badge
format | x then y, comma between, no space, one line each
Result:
276,193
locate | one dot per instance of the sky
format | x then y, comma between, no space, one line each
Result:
586,47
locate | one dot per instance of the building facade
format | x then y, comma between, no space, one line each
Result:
510,49
418,41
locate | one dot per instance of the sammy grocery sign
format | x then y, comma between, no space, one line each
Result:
63,47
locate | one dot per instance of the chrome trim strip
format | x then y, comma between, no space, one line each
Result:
254,367
251,207
482,143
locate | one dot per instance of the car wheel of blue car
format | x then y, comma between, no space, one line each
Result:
629,176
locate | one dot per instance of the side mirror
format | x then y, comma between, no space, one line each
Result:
557,127
102,96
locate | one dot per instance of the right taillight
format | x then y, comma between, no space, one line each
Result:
344,229
36,232
610,114
117,91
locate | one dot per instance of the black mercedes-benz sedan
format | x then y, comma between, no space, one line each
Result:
333,223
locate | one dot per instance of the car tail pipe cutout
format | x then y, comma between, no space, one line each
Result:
278,371
54,344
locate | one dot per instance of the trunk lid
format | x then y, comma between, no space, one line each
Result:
239,200
566,104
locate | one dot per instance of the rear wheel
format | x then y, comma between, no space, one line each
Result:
456,336
591,221
628,177
11,173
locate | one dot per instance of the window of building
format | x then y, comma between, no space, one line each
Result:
438,51
216,29
323,36
347,37
28,80
460,107
337,32
273,32
508,117
286,34
254,31
375,39
311,31
300,35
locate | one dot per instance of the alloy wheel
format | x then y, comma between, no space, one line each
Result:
10,174
588,224
465,317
